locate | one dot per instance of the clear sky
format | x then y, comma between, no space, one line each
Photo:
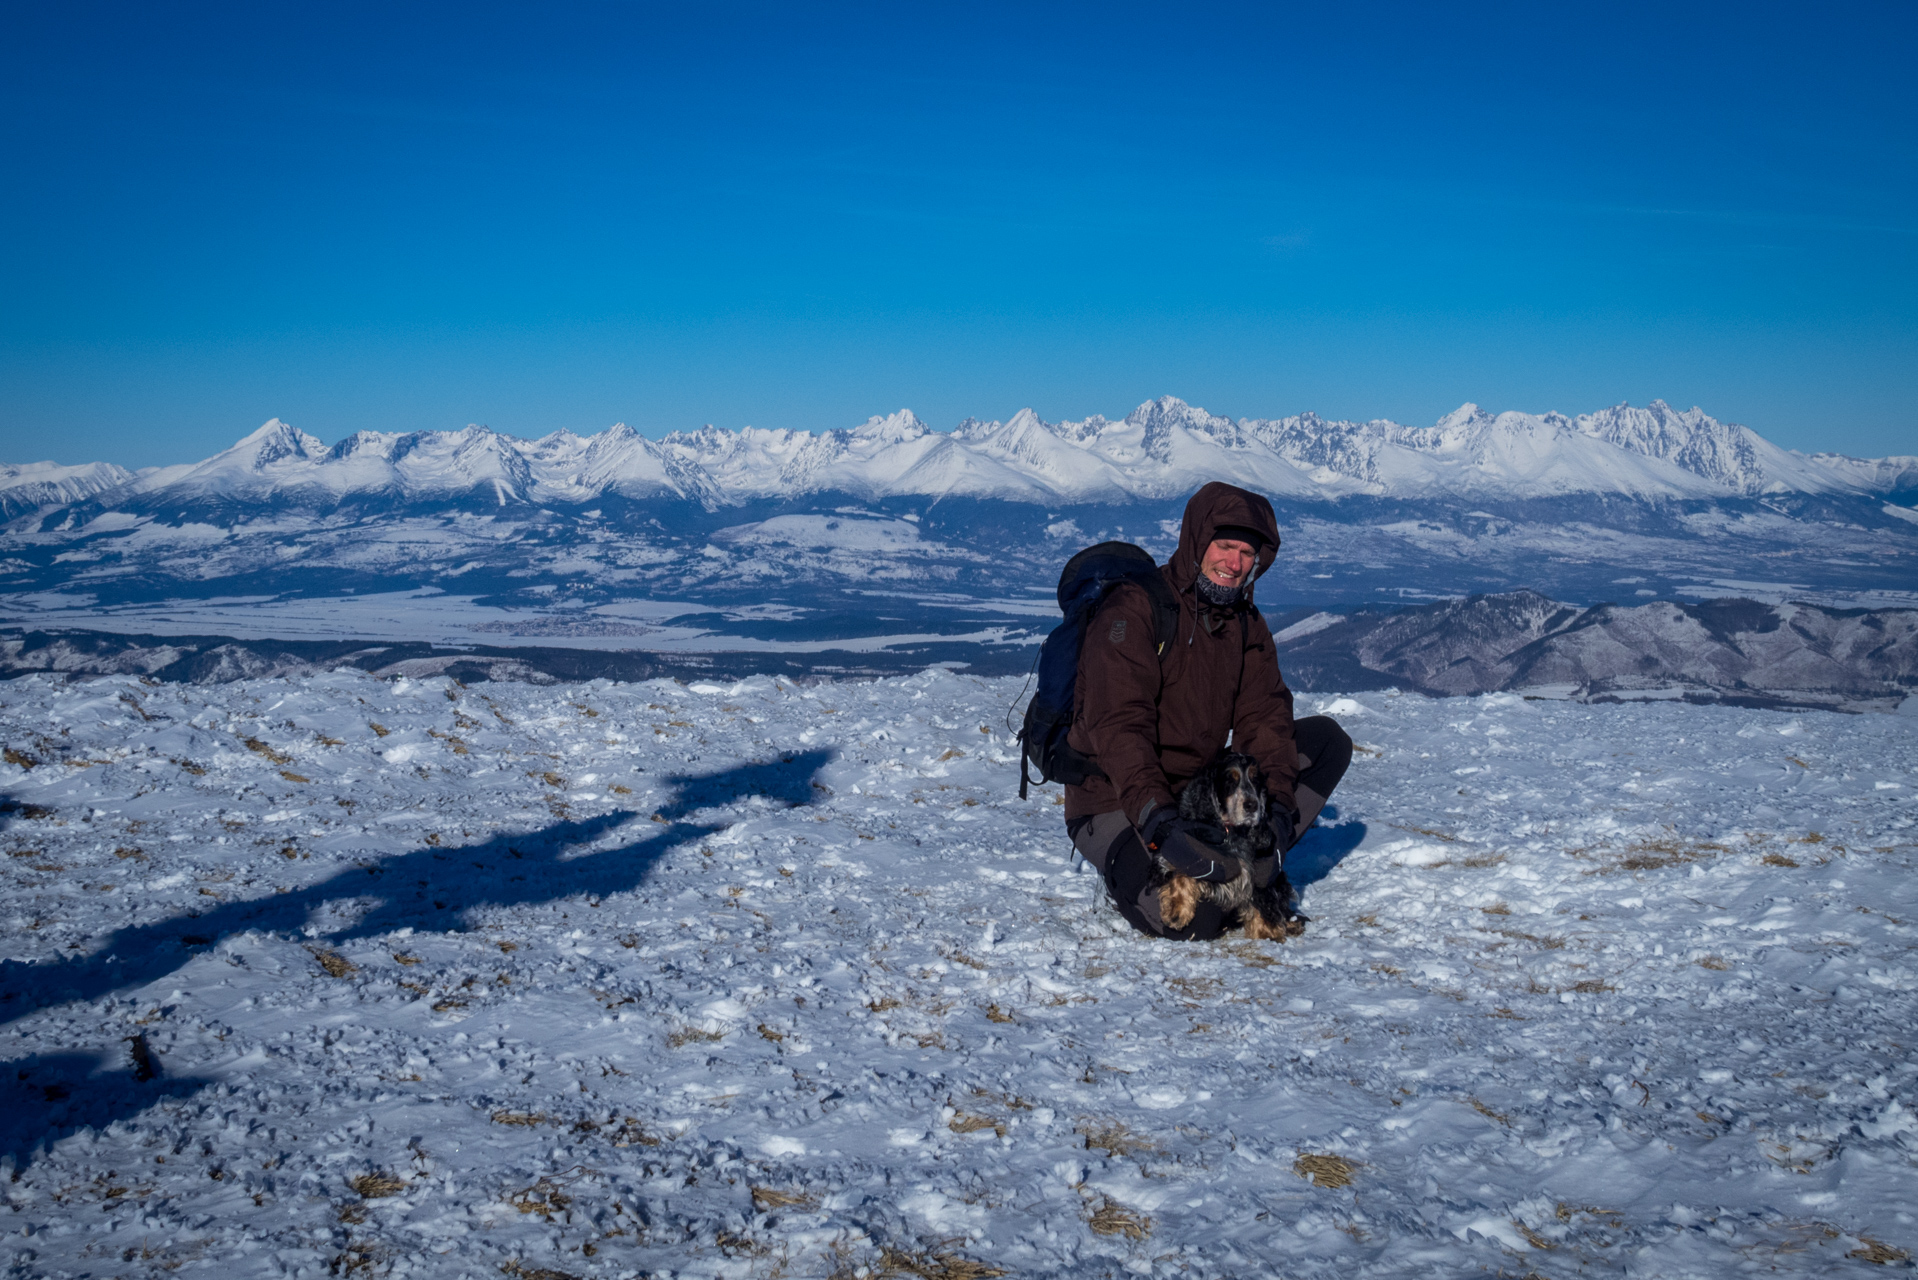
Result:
405,216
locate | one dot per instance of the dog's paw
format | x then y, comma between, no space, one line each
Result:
1178,901
1258,928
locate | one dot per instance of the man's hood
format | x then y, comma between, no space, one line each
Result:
1219,504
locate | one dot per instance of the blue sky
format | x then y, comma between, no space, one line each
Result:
398,217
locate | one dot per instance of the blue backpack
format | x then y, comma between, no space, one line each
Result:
1084,584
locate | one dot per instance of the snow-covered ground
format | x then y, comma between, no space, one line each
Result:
760,980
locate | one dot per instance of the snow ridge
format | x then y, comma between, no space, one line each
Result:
33,485
1160,450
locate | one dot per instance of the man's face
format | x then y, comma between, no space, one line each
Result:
1228,562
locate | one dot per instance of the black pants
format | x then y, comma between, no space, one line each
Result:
1111,843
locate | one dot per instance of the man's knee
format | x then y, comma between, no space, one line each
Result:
1328,747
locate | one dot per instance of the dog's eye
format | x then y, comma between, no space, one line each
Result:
1232,775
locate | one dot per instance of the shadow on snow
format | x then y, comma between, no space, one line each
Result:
427,889
1324,845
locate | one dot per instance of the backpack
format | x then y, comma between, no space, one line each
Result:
1088,578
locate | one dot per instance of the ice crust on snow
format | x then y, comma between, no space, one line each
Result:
603,979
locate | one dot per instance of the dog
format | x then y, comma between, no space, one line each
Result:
1229,793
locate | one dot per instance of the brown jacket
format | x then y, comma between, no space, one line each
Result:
1153,721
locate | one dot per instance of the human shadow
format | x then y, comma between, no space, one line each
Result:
1324,845
431,889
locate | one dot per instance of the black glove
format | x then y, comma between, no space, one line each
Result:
1266,870
1282,822
1186,846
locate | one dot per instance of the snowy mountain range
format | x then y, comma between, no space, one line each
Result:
1163,449
891,544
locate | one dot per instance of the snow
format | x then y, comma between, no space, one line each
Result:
730,978
1163,449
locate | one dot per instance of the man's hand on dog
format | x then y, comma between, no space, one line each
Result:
1188,847
1282,822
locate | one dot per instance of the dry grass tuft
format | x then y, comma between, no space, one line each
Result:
1443,836
1113,1138
1327,1171
1657,855
1877,1251
1778,860
524,1119
515,1270
1718,963
1252,955
1549,943
767,1199
932,1264
1593,987
1532,1237
1194,989
1113,1219
693,1035
335,964
261,749
965,1122
545,1198
1496,909
632,1134
373,1186
1490,1114
995,1014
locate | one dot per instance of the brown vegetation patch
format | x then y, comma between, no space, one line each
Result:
1718,963
1111,1218
1490,1114
693,1035
1877,1251
964,1122
524,1119
259,748
335,964
1778,860
767,1199
546,1198
1443,836
1653,855
1327,1171
1113,1138
1549,943
932,1264
519,1272
373,1186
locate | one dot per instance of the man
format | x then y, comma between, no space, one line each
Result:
1152,720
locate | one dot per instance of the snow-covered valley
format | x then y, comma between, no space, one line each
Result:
343,975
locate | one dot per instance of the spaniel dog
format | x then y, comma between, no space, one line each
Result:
1229,793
